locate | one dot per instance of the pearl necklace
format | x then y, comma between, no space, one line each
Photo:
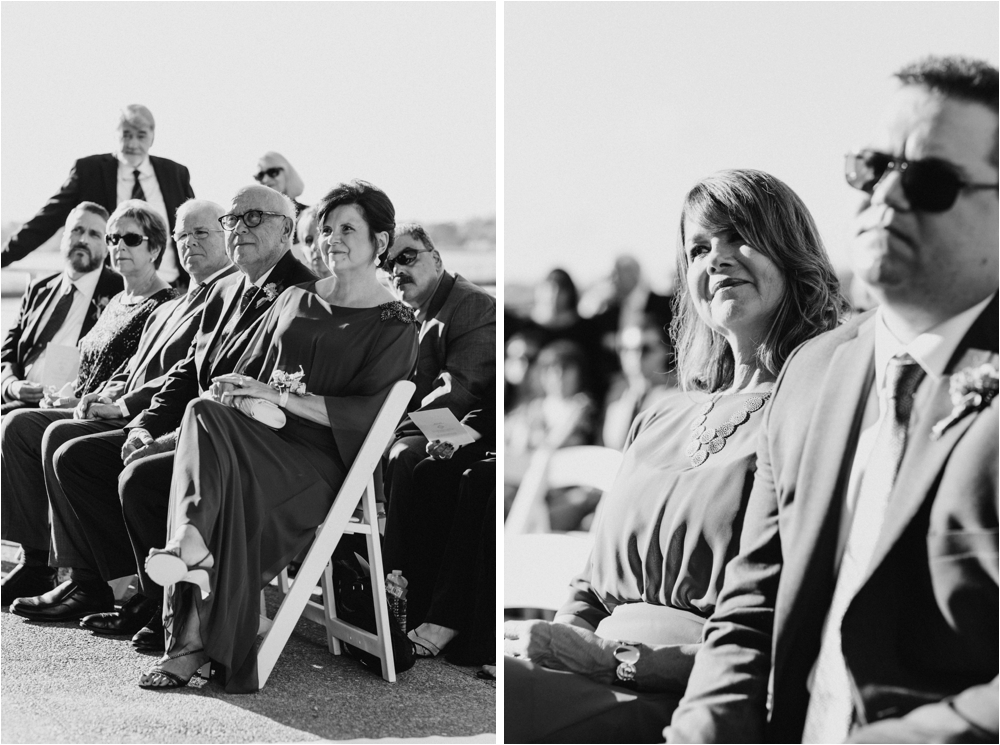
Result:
710,441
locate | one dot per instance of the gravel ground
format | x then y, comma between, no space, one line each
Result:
59,683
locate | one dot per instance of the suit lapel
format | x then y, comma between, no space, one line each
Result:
45,297
925,457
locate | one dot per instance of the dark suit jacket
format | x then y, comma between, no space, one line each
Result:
457,357
165,341
920,635
22,335
212,352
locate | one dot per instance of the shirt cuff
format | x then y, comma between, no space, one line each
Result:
123,407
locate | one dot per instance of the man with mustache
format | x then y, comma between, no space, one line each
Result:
863,604
29,443
116,484
109,179
57,310
457,355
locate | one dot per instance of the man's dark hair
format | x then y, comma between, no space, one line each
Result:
93,207
963,78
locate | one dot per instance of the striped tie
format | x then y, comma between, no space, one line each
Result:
831,707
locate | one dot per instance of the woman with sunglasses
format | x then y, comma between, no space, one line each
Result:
756,283
274,170
136,238
247,496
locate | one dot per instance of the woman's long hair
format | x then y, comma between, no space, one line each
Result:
773,220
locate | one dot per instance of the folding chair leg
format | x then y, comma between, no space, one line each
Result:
330,610
378,584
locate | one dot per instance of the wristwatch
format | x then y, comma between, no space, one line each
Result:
627,654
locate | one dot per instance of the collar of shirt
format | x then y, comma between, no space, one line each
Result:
262,279
932,349
193,286
85,284
125,168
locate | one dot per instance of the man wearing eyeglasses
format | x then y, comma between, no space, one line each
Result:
109,179
59,309
457,355
863,606
117,483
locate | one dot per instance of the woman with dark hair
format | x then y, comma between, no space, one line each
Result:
136,238
612,666
247,496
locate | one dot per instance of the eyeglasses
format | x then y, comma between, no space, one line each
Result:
250,218
269,172
199,234
129,239
405,257
930,184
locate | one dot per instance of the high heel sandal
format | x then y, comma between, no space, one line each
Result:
166,567
175,680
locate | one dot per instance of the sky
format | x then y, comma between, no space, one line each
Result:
612,111
401,94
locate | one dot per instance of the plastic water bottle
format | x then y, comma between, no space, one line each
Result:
395,589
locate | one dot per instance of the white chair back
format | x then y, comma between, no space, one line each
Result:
538,567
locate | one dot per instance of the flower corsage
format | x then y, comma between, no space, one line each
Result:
971,389
270,291
286,382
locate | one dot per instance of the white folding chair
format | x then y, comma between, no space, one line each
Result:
583,465
537,568
358,487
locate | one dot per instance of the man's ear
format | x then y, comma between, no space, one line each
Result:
288,231
437,259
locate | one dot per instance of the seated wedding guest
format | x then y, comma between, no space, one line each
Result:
423,526
563,415
457,357
307,232
863,607
611,668
519,371
58,310
246,495
648,374
110,179
28,449
274,171
116,484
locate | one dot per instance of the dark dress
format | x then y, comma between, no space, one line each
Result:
256,494
114,339
665,532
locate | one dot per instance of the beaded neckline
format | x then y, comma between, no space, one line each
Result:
708,441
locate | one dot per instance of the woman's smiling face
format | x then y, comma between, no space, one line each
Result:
735,288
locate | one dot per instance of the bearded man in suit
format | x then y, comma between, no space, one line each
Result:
863,605
59,309
457,356
109,179
116,484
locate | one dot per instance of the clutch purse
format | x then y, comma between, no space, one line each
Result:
263,411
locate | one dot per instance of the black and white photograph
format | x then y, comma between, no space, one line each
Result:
750,365
249,372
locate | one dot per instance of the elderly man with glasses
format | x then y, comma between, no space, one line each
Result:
863,606
116,484
109,179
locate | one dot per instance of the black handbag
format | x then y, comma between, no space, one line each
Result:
353,591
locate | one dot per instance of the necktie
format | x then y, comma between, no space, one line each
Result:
137,192
55,322
831,708
247,298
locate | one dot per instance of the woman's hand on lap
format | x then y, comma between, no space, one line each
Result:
227,387
561,647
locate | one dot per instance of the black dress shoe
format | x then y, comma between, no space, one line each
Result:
67,602
150,637
26,581
135,614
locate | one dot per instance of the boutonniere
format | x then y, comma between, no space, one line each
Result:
101,303
971,389
270,291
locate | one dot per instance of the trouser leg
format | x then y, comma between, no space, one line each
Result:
144,489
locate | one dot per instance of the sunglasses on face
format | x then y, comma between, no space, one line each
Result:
405,257
930,184
200,234
269,172
129,239
250,218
